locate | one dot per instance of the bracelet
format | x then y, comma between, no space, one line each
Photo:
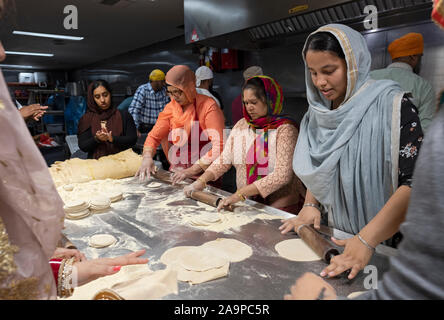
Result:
365,242
64,283
241,196
199,162
202,180
312,205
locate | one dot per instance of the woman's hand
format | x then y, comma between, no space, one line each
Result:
101,136
311,287
68,253
355,257
195,186
92,269
181,174
228,201
307,215
146,168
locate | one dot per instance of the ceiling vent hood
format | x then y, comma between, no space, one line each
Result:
252,24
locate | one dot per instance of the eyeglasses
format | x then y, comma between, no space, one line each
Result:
176,93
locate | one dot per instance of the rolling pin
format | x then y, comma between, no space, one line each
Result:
317,243
208,198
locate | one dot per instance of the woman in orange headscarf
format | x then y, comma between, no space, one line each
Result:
184,129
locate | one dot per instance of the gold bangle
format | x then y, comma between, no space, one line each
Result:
65,285
241,196
199,162
202,180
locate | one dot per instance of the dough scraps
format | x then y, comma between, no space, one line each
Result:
296,250
101,240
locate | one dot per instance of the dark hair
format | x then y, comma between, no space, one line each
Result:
324,41
257,86
100,82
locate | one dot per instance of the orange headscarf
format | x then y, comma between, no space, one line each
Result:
175,116
182,77
408,45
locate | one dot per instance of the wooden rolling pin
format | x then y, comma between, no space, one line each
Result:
317,243
208,198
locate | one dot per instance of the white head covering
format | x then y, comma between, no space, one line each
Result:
252,72
203,73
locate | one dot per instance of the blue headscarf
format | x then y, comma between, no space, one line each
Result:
348,157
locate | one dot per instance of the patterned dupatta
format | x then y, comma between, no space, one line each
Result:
257,155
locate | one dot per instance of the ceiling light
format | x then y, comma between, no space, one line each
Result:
30,53
16,66
47,35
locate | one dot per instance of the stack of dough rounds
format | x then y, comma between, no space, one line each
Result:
100,204
101,240
115,195
77,209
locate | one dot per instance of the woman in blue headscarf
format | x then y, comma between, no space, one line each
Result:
356,149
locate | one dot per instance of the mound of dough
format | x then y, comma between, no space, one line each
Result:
296,250
230,249
101,240
116,166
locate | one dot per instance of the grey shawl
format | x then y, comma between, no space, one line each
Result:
348,157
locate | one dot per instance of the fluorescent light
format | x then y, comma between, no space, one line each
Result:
16,66
46,35
30,53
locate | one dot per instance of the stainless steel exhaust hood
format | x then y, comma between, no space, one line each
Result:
253,24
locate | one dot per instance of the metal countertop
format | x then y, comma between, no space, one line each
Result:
137,223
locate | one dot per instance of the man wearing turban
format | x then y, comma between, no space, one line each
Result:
406,53
149,100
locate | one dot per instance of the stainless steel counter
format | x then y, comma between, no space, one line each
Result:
138,222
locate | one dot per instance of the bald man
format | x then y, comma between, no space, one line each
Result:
406,53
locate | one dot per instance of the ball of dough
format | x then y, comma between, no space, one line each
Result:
101,240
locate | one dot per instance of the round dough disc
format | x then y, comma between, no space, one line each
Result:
200,259
100,203
296,250
101,240
230,249
206,219
154,185
115,195
68,187
170,256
